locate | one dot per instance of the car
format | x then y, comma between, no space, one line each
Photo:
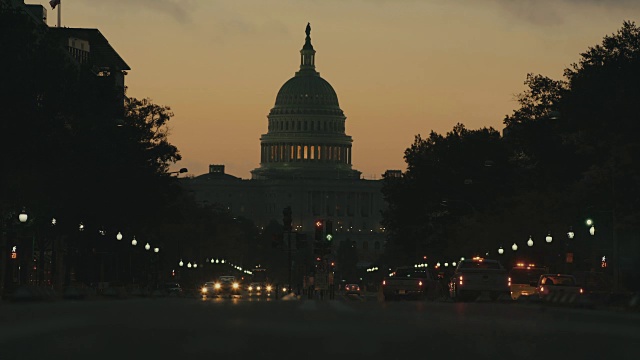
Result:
259,289
352,289
208,288
407,282
477,276
225,286
172,288
554,284
524,280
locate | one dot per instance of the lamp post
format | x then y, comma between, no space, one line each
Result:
178,172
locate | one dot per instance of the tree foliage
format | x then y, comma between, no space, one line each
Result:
568,152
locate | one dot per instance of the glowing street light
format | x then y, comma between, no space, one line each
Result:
23,216
134,242
592,230
181,263
530,241
571,234
514,247
549,238
147,246
500,250
119,236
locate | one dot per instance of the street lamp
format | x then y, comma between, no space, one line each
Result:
589,222
571,234
549,238
530,241
181,171
514,247
592,230
500,250
189,265
81,227
147,246
54,222
23,216
156,250
119,236
134,242
181,263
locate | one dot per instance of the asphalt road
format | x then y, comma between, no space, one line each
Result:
348,327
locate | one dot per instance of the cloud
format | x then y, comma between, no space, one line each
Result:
553,12
179,10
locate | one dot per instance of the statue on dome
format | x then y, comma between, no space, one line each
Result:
308,30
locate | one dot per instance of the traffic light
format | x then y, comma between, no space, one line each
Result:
329,230
286,218
319,230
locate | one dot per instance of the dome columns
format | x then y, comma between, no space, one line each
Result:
300,152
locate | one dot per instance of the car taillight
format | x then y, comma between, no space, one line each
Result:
581,291
384,282
460,279
541,288
509,282
419,283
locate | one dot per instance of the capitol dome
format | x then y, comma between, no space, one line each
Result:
307,91
306,132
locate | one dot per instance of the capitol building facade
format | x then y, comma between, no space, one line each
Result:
305,163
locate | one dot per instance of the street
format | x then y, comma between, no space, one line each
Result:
357,327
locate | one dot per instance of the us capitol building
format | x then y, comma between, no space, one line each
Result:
305,163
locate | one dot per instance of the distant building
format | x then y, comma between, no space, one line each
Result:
305,163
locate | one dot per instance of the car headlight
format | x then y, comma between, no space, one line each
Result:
268,287
250,288
235,285
217,286
204,290
259,288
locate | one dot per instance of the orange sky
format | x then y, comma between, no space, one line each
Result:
399,67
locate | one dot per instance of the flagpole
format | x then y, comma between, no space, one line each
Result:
59,12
